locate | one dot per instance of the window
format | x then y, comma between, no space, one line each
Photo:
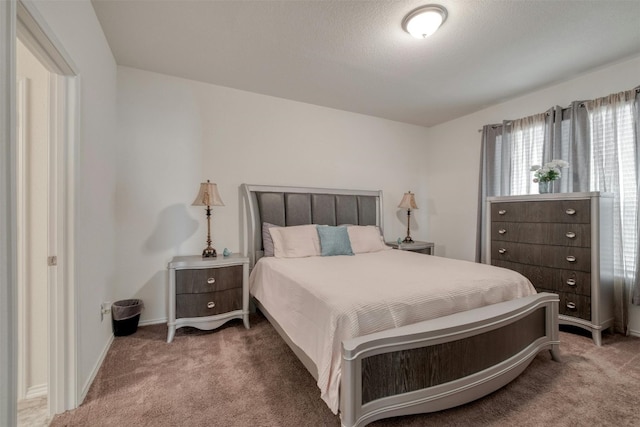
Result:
612,161
599,140
613,169
527,144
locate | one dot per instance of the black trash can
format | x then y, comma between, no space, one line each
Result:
125,315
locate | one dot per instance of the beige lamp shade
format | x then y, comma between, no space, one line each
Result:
408,201
208,195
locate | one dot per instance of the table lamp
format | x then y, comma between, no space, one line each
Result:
208,196
408,202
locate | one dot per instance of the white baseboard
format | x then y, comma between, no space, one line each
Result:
37,391
152,321
634,333
94,371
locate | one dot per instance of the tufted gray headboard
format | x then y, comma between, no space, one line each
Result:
287,206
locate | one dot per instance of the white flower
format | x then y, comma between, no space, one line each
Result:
550,171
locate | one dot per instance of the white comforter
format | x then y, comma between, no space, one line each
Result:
321,301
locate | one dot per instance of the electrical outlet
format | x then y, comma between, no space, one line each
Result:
105,308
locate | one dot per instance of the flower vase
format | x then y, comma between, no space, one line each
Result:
544,187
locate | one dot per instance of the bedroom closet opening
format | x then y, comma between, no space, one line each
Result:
46,133
55,376
33,130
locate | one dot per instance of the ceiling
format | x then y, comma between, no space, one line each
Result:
355,56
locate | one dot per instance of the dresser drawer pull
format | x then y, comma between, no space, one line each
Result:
571,282
502,212
502,251
571,258
571,235
211,304
570,211
211,280
571,305
502,231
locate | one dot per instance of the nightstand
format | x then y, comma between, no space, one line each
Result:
207,292
420,247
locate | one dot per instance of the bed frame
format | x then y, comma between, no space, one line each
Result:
423,367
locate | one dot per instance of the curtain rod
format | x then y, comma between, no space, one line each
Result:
636,89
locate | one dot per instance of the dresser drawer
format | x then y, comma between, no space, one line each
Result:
542,233
552,279
567,211
208,303
194,281
570,258
574,305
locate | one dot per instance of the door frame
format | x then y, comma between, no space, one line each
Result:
21,18
21,143
63,320
8,265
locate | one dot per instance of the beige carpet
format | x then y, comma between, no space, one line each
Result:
238,377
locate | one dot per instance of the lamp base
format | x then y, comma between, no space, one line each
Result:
209,252
407,239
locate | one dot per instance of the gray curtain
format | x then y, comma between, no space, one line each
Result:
568,139
636,115
490,157
579,142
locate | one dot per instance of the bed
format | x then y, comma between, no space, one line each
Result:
397,354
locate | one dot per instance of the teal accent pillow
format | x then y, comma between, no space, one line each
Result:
334,240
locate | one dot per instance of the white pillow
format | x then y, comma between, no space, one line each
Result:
295,242
366,238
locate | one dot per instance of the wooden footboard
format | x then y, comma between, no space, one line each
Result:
445,362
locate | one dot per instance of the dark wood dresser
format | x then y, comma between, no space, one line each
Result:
562,243
207,292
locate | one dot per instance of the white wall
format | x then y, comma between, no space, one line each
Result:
176,133
452,157
32,311
75,24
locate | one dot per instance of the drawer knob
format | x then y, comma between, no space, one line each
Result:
571,305
502,212
502,251
571,234
571,258
502,231
211,280
571,282
570,211
211,304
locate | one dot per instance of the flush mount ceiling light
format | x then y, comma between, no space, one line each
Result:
424,21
